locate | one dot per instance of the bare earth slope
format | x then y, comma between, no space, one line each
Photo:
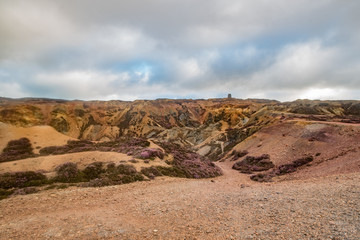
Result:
334,146
231,207
39,136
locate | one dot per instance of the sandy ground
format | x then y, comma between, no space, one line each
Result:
40,136
227,207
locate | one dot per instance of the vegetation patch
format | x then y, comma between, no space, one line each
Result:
17,149
130,146
254,164
289,168
235,155
151,172
190,164
68,172
151,153
22,179
93,170
185,164
112,175
155,171
4,193
25,191
282,170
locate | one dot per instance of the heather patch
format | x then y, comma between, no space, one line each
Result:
93,170
254,164
4,193
235,155
191,164
25,191
93,175
21,179
151,153
282,170
130,146
111,175
98,182
68,172
184,163
17,149
152,172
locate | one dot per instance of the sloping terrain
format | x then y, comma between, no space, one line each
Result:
289,170
335,147
39,136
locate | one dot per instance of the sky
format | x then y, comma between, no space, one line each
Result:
132,49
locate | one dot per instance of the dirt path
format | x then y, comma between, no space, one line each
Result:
227,207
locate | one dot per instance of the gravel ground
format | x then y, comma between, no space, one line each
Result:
227,207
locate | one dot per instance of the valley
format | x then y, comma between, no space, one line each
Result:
179,169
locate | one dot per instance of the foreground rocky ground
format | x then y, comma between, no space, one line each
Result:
227,207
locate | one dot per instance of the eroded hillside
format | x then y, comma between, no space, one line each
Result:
211,127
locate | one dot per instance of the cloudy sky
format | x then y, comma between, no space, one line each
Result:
132,49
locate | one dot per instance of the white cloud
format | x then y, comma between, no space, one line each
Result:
12,89
321,93
82,84
143,76
299,65
190,68
109,43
